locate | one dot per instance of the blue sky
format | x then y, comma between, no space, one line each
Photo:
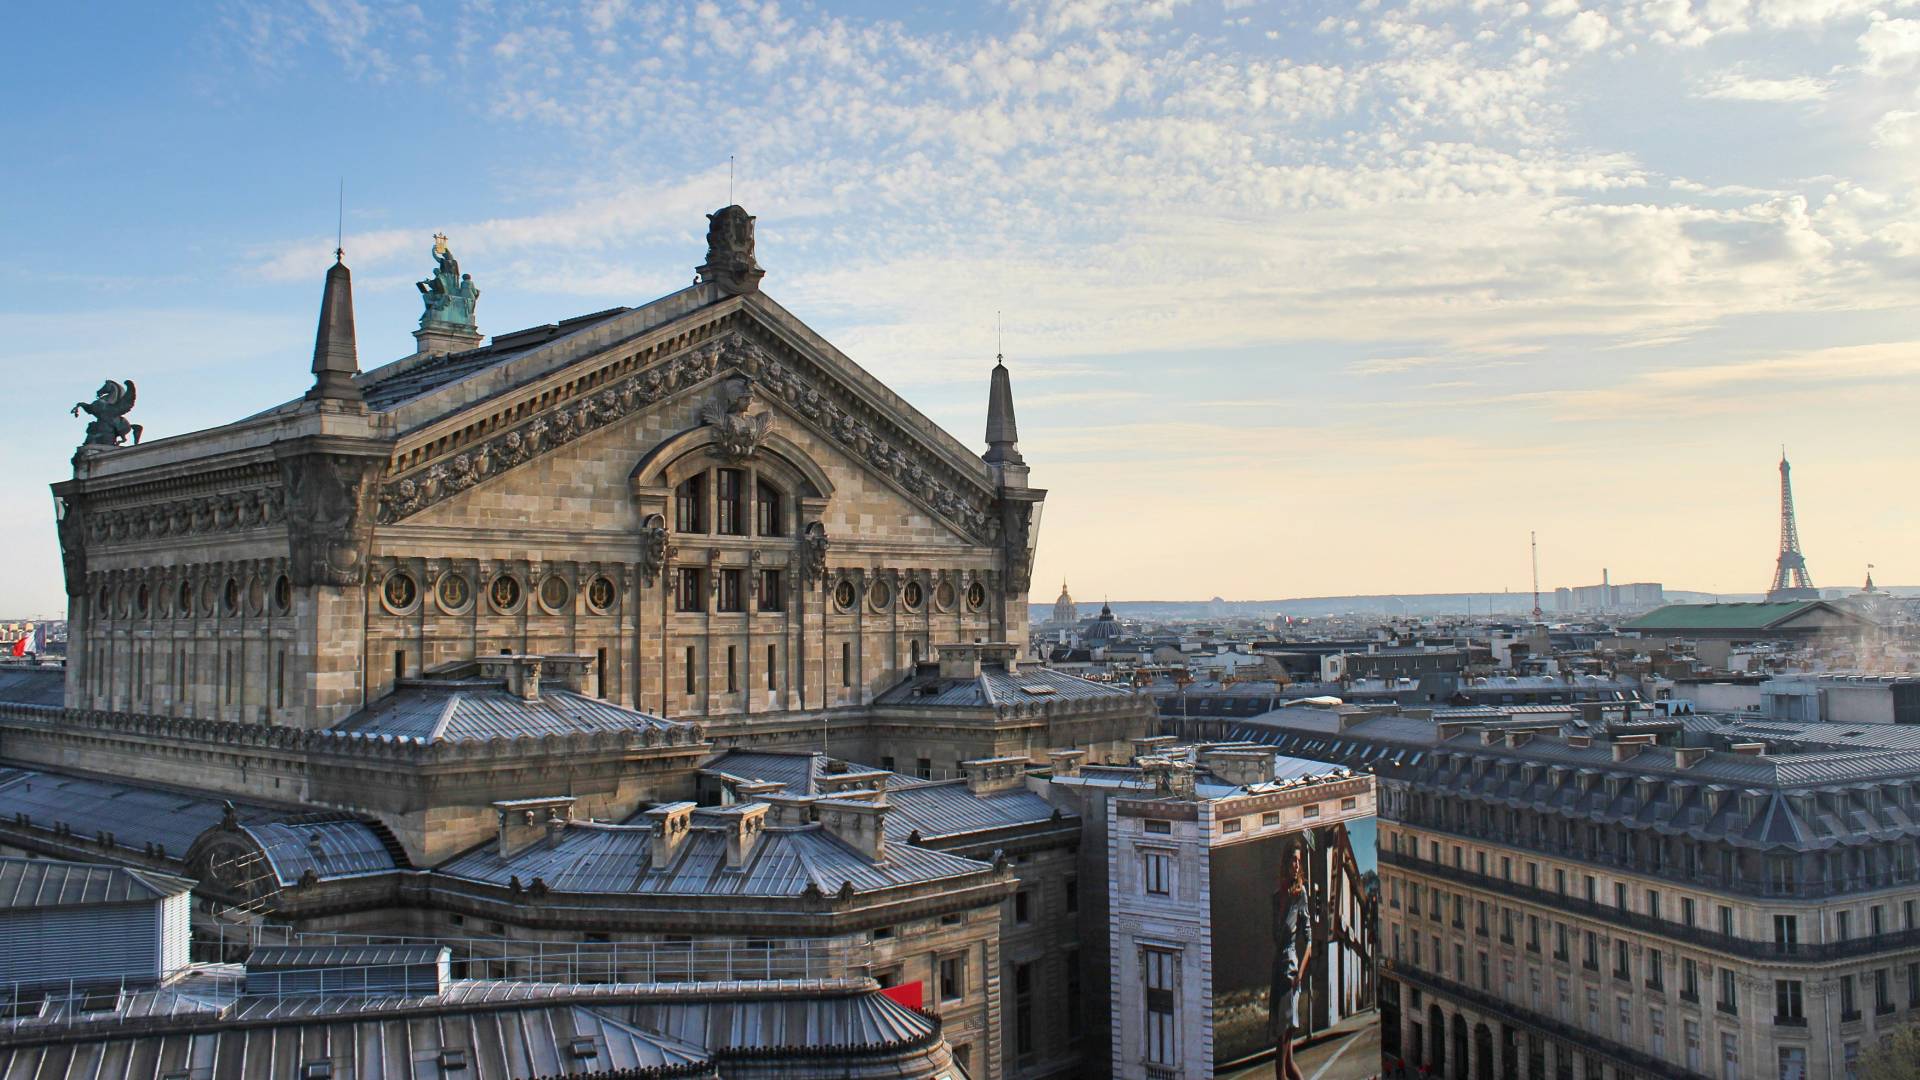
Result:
1298,299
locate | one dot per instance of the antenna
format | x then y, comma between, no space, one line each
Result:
999,335
1533,540
340,222
729,179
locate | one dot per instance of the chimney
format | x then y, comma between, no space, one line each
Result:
1580,741
788,810
743,824
1243,768
1350,715
1751,749
851,785
336,358
520,673
526,822
857,824
990,776
1148,746
1066,762
670,823
1686,757
959,660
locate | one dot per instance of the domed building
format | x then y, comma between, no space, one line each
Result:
1105,628
1066,613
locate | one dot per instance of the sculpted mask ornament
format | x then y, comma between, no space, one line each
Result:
736,432
816,550
109,409
653,547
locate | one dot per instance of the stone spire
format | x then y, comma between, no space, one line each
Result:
336,360
1003,435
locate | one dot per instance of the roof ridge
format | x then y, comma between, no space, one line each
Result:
439,729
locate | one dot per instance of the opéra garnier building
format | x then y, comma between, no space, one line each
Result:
729,519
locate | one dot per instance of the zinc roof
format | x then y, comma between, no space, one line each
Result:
46,883
595,858
33,685
479,713
135,815
383,392
996,686
947,808
267,957
330,849
1749,616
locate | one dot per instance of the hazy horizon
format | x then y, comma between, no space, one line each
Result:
1337,300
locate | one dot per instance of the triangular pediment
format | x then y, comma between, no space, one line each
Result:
496,418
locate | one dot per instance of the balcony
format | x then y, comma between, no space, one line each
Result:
1790,1021
1673,931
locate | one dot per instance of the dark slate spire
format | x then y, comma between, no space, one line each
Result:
336,360
1003,435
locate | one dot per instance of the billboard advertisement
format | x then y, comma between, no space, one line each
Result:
1294,924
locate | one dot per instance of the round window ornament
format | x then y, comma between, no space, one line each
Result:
554,593
257,597
976,596
880,595
843,595
453,592
911,594
105,604
600,594
183,600
230,596
943,596
283,594
399,591
142,601
504,593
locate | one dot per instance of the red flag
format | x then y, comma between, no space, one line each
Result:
20,643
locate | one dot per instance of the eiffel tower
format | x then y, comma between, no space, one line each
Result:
1790,578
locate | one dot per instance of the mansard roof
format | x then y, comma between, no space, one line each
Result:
1735,616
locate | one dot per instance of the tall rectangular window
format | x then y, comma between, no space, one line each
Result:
1023,1040
771,685
1156,873
730,518
1849,1005
771,597
846,663
1074,999
690,505
733,669
1786,932
1787,1001
732,590
1729,993
693,589
1162,967
280,680
691,683
953,977
768,518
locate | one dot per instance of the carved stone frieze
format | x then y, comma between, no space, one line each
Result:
884,446
199,515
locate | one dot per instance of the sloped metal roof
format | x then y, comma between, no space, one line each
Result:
796,771
136,815
47,883
595,858
33,685
949,809
389,391
479,713
268,957
996,686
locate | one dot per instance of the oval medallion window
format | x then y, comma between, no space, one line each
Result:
256,597
230,596
504,593
142,601
399,591
976,596
843,595
183,600
282,594
943,596
911,595
554,593
600,594
880,595
106,602
454,592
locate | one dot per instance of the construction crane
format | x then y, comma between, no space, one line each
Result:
1533,540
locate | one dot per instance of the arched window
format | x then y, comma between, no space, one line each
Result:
730,498
769,512
690,505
